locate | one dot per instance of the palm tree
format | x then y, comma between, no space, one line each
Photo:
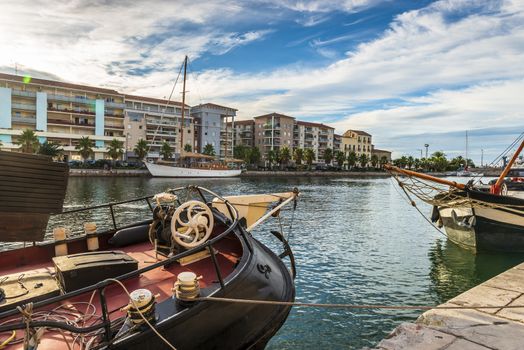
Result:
115,149
340,157
209,150
166,151
363,160
298,155
374,160
285,155
188,148
50,149
439,161
410,162
140,149
352,159
309,155
271,157
28,141
328,155
85,147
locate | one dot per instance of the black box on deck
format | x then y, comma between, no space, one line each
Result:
77,271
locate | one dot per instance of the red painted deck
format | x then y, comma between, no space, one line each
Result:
159,281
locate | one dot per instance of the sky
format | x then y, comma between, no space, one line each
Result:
409,72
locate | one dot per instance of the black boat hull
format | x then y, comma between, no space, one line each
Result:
220,325
496,226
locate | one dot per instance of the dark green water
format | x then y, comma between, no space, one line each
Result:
355,240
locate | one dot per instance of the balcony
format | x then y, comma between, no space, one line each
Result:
71,111
21,93
113,126
269,126
117,105
23,106
67,122
23,120
87,101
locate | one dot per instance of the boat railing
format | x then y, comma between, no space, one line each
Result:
100,287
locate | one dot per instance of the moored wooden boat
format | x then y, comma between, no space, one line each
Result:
474,217
72,300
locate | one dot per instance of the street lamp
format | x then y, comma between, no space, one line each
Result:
427,146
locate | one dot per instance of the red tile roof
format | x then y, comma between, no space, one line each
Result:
359,132
318,125
273,114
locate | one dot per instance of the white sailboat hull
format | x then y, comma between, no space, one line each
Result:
174,171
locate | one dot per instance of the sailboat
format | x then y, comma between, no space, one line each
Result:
199,165
466,172
476,217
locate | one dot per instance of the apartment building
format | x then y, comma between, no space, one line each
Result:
337,143
315,136
357,141
59,112
273,131
210,124
243,132
381,153
156,121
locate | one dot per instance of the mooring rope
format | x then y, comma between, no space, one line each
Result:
350,306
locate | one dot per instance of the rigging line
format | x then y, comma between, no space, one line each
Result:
350,306
165,108
413,204
499,157
193,74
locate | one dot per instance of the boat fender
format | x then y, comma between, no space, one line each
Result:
60,236
435,214
91,237
129,236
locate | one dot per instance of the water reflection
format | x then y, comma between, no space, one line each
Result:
455,270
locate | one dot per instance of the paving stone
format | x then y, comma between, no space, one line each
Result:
513,279
409,336
484,295
514,314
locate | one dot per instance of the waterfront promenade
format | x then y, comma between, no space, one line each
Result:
469,329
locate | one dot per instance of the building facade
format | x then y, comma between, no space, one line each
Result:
156,121
273,131
210,127
243,132
315,136
381,154
337,143
59,112
357,141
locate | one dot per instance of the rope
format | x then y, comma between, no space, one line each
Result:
8,340
141,314
350,306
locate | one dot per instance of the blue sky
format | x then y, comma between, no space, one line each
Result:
408,72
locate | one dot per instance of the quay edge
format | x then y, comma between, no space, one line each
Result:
471,329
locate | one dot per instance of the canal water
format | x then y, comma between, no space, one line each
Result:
356,241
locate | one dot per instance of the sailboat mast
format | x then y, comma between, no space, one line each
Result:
183,109
466,167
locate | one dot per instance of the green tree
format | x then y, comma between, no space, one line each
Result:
383,161
438,161
188,148
166,151
115,149
285,156
85,147
209,150
241,152
50,149
140,149
298,156
340,157
28,141
363,160
374,160
271,157
328,155
410,161
254,155
309,155
352,159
